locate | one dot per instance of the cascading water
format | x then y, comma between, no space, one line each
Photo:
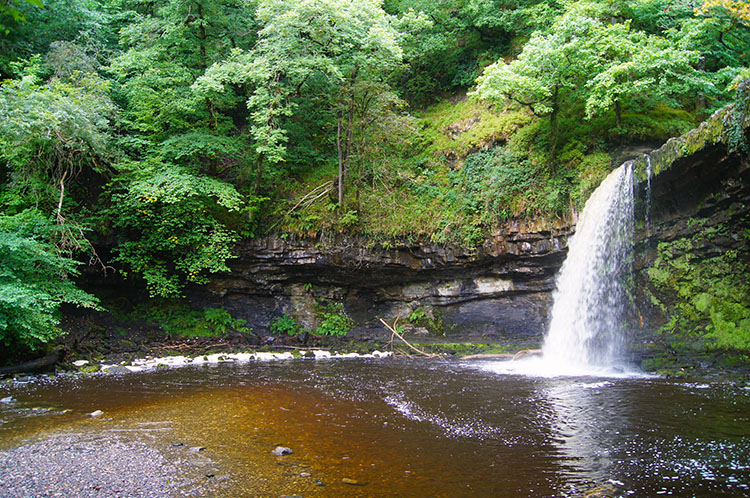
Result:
590,296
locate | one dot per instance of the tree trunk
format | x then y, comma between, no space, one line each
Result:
258,174
553,121
340,151
30,366
618,113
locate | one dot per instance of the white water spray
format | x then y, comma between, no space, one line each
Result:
590,296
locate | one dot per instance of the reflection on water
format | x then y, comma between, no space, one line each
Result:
411,428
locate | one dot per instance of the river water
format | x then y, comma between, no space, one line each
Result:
408,427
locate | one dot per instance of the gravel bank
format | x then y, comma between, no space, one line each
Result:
101,465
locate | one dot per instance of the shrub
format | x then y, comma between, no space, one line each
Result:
285,325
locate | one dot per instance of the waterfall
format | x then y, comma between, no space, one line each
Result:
586,327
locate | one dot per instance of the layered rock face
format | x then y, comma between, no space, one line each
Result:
499,291
701,196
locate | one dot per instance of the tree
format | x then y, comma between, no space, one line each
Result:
331,46
174,200
9,11
551,69
172,224
634,64
34,281
50,134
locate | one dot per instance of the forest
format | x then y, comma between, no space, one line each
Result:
148,137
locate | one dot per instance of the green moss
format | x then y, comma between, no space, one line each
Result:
453,129
706,298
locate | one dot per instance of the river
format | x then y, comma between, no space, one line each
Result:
402,427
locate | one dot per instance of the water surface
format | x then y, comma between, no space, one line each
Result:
408,427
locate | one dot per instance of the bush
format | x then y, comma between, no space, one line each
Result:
285,325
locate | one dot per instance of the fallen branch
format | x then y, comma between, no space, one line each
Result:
524,352
313,195
29,366
395,333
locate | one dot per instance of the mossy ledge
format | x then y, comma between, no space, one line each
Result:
710,132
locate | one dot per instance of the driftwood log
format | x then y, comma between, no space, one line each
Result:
31,366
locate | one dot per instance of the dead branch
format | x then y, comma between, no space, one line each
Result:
312,196
395,333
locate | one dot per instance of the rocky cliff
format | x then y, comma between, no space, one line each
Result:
499,290
692,292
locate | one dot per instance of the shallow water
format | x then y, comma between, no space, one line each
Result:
410,427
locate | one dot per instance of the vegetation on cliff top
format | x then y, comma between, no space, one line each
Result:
168,130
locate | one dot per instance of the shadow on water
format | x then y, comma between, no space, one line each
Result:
403,427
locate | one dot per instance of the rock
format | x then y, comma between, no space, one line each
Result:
80,363
96,413
352,482
282,451
116,369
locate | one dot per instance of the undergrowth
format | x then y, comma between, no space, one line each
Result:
462,170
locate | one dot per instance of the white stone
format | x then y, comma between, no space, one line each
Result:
80,363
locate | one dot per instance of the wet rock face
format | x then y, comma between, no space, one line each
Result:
705,191
500,290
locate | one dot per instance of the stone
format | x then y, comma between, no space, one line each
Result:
116,369
96,413
282,451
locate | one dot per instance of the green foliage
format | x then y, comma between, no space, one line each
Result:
335,322
432,320
285,325
34,281
734,122
172,225
175,128
454,129
706,297
51,131
177,319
